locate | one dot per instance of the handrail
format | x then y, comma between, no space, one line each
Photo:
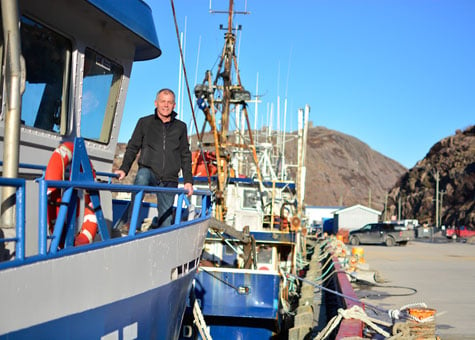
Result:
93,187
110,175
19,240
70,189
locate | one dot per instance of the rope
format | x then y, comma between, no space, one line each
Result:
367,283
355,312
413,328
396,314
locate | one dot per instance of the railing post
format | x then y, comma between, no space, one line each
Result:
42,216
59,225
205,204
179,208
136,205
20,221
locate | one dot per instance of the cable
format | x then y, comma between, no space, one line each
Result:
414,291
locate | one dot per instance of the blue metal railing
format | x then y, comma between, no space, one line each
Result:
82,180
19,239
67,216
42,168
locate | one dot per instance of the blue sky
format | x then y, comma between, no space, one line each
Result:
397,74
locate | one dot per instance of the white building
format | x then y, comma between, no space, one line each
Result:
316,214
354,217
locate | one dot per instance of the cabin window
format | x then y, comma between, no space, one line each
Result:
251,197
100,92
264,254
47,60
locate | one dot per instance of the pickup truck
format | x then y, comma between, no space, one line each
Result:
459,232
376,233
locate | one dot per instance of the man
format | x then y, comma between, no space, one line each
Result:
163,144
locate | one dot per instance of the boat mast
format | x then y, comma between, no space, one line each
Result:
301,156
222,96
13,82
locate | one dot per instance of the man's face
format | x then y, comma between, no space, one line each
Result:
165,104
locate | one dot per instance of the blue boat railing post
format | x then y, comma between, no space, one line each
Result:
179,207
135,212
42,215
205,205
62,215
71,218
20,221
96,206
19,238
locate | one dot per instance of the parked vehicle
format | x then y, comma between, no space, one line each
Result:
387,233
459,232
315,229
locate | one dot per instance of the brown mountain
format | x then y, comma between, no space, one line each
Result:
343,171
452,161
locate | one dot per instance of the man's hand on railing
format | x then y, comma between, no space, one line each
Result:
120,174
189,188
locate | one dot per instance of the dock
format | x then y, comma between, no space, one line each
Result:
436,271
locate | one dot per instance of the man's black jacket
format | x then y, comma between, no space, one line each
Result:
163,148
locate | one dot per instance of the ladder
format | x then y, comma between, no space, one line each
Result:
200,322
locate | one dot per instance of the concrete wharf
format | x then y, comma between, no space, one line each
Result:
443,273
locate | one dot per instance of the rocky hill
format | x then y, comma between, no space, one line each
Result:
451,163
343,171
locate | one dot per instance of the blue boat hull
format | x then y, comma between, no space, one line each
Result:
150,315
126,288
238,303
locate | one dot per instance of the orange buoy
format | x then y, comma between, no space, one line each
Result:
421,313
358,252
353,263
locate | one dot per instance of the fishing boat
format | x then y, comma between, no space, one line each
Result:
65,272
260,276
242,290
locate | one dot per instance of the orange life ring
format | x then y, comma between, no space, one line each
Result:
55,170
294,223
89,225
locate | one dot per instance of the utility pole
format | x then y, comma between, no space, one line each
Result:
437,178
385,206
442,192
399,208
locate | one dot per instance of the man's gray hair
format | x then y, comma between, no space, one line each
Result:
166,90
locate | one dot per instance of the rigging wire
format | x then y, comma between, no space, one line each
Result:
239,289
184,67
185,76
